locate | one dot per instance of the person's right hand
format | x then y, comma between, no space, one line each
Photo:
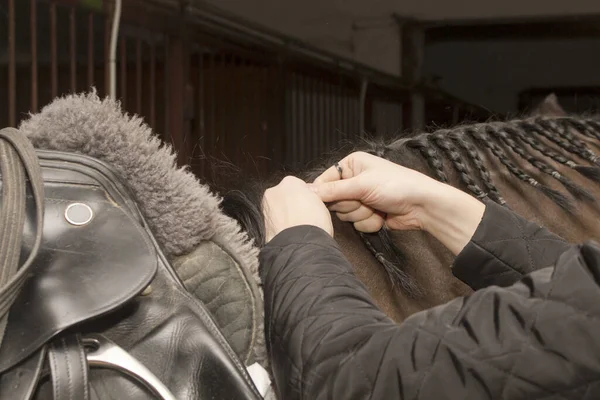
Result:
375,191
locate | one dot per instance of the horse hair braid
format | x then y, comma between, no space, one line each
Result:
484,174
592,173
540,147
577,191
558,132
497,151
395,274
431,156
583,127
439,138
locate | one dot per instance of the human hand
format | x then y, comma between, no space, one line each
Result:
292,203
375,191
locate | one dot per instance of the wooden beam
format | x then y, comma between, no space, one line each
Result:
412,62
533,28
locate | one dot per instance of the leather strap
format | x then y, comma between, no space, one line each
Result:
21,382
69,368
17,156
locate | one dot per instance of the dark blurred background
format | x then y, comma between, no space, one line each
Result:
264,83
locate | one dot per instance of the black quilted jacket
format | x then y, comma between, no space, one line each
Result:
532,331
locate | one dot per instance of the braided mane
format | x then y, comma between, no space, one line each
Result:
462,146
523,137
535,141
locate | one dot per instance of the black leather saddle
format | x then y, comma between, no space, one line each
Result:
89,306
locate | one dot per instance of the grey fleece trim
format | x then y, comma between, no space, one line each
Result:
180,210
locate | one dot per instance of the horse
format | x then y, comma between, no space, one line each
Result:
543,167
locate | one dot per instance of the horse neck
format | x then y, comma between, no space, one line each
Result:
428,262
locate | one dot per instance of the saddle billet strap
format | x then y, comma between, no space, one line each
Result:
16,154
70,358
69,368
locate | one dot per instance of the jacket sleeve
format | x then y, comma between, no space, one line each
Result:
328,340
504,248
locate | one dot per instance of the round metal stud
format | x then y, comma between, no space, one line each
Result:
79,214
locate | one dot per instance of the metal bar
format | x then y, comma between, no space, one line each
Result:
53,51
176,89
123,62
167,95
347,116
235,122
455,114
34,56
107,65
73,50
152,84
227,93
362,107
316,106
264,120
323,117
258,120
328,116
305,120
298,120
290,121
277,132
314,115
114,36
217,104
90,55
339,111
12,69
138,75
212,132
201,128
246,112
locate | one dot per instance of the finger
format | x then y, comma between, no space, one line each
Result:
332,173
347,189
345,206
362,213
370,225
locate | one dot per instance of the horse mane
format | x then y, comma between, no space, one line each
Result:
462,146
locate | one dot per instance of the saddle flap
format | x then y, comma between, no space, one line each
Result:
95,255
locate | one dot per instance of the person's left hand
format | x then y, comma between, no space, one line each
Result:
291,203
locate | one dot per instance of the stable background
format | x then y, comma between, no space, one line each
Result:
265,83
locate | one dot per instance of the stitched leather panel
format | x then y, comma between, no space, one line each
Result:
69,368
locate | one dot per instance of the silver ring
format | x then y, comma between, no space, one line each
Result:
339,169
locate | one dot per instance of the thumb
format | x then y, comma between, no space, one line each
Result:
346,189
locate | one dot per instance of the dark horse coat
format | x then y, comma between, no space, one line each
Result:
530,332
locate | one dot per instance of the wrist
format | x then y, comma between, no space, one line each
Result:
451,216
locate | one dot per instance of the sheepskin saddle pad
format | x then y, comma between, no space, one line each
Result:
211,254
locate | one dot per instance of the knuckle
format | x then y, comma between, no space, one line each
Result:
290,180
